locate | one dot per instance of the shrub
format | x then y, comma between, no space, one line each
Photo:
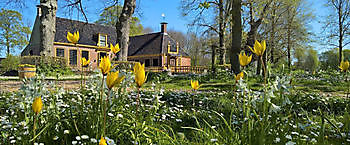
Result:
10,63
50,66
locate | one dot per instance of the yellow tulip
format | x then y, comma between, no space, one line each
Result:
344,66
84,62
259,49
139,71
195,85
239,76
105,65
244,59
102,141
73,38
113,79
37,105
115,49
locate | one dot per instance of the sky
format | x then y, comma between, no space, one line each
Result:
150,13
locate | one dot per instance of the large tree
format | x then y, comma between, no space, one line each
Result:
213,15
337,25
257,13
12,31
236,32
123,28
47,25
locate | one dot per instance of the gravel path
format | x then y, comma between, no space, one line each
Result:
10,86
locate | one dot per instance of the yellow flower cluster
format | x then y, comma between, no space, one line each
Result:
140,76
259,48
244,59
113,79
102,141
84,62
105,65
344,66
73,38
239,76
37,105
195,85
115,49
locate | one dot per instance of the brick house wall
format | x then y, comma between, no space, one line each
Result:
93,55
185,61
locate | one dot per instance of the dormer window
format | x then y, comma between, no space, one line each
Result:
173,51
102,40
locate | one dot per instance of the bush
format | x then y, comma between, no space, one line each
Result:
10,63
50,66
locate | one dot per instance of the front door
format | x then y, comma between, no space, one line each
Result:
172,62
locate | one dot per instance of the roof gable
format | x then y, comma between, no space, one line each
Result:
88,32
153,43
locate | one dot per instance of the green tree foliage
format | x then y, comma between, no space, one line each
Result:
311,61
329,59
307,59
109,17
13,33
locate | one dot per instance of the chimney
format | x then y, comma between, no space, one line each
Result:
38,10
163,27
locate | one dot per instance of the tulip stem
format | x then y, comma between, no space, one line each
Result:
81,77
34,127
105,112
264,103
101,96
346,80
264,68
138,99
193,98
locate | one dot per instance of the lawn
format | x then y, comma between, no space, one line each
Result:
299,108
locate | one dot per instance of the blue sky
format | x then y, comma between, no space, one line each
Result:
151,11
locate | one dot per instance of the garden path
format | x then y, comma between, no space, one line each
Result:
11,86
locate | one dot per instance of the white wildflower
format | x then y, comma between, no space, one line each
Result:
85,137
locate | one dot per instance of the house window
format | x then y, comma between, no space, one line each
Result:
147,63
73,57
59,52
155,62
100,55
173,50
85,54
172,62
102,40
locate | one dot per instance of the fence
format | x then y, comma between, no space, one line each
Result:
179,69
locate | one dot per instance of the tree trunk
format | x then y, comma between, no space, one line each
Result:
340,23
213,59
288,50
272,36
254,25
221,34
258,66
236,33
123,28
47,25
7,42
289,33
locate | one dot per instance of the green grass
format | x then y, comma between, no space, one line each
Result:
171,113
